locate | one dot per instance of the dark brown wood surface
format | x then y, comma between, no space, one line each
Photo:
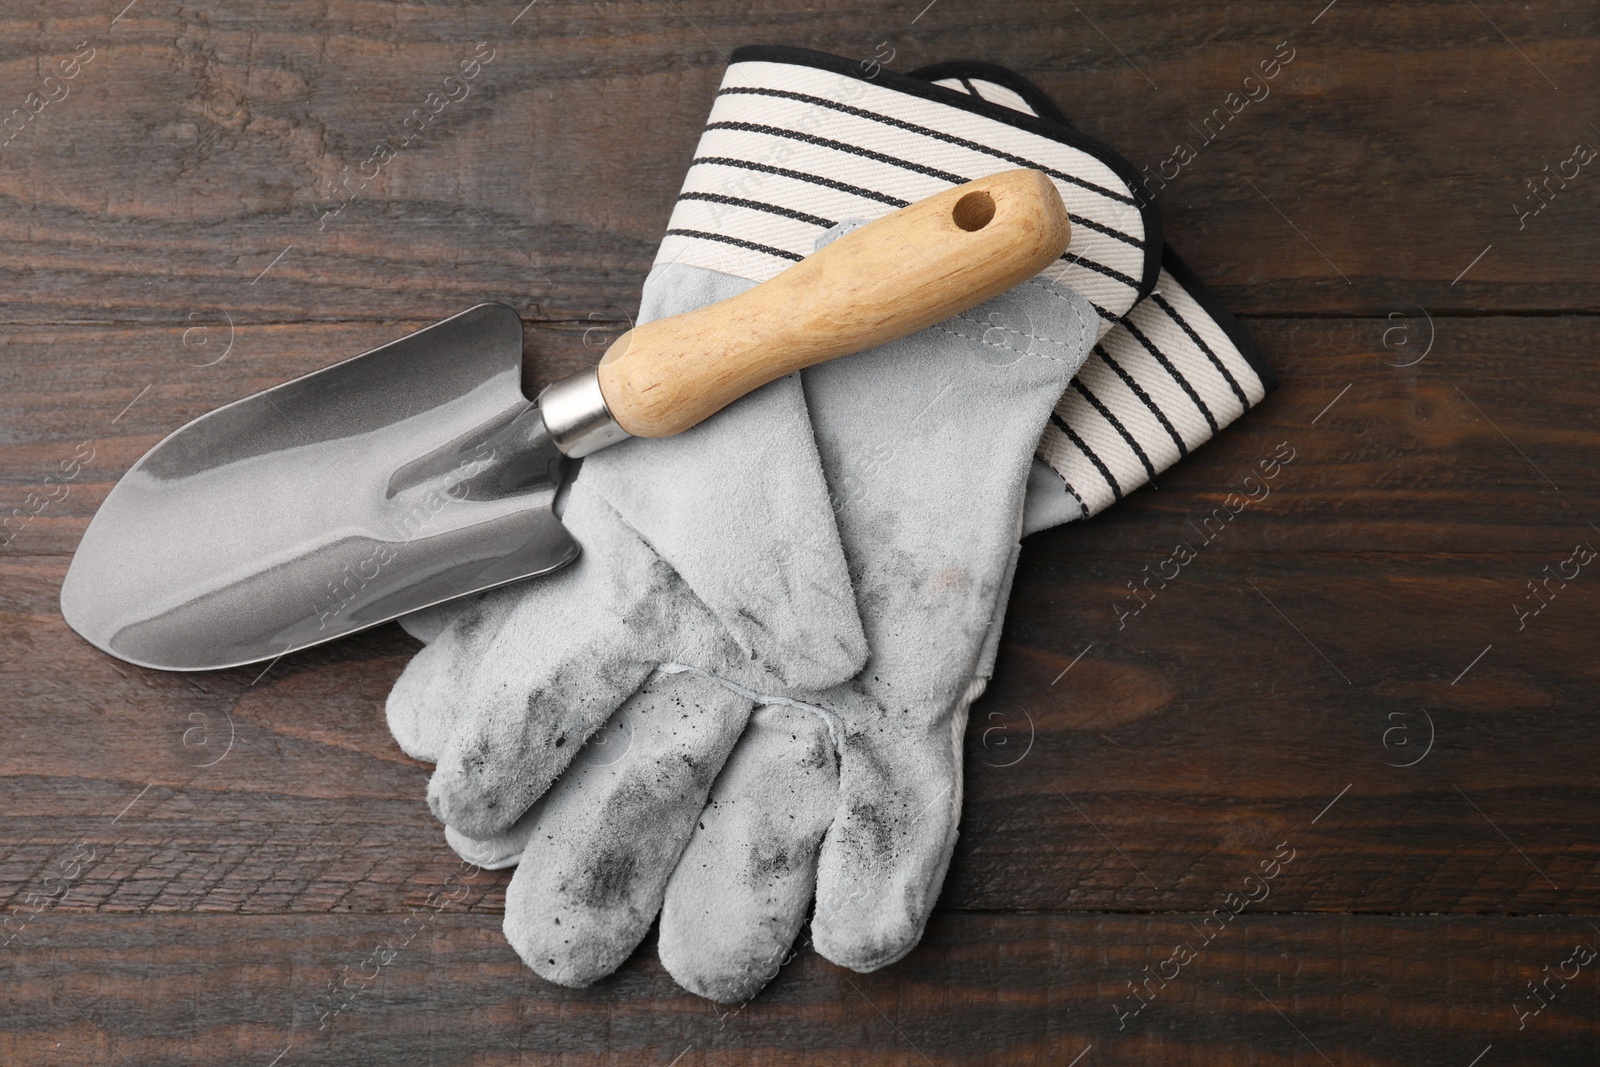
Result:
198,869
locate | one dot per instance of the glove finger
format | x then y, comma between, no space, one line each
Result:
743,885
604,841
423,706
516,684
427,624
886,853
498,851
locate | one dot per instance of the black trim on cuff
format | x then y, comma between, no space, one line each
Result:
965,69
1186,277
1048,123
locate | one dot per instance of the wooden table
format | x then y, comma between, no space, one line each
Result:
199,869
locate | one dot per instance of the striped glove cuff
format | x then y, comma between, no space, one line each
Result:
799,140
1163,381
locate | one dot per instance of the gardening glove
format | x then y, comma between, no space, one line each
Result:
741,889
714,549
926,443
1175,371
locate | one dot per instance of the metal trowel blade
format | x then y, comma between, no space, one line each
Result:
410,475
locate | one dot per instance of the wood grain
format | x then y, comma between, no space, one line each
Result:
1444,458
202,142
1184,749
1001,989
198,869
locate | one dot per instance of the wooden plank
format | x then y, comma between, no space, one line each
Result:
1145,778
189,167
442,987
1446,457
202,868
1391,552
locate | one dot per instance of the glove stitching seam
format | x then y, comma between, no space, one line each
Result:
992,344
829,719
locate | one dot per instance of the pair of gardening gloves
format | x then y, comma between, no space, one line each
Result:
745,702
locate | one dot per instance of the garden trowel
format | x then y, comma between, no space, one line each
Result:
419,472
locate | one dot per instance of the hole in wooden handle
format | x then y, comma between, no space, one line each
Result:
973,211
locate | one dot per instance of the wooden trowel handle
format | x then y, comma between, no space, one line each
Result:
892,277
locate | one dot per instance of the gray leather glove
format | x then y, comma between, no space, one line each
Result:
741,888
715,549
600,845
1160,383
927,447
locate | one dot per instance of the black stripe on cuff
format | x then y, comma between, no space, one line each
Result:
1161,357
1061,424
814,179
1224,319
1048,123
738,242
1216,361
1099,268
757,205
838,146
1105,413
938,135
1144,397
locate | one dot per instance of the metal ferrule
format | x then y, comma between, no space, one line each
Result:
576,415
